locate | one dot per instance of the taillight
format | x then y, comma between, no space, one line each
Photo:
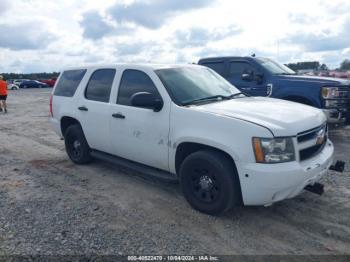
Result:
51,112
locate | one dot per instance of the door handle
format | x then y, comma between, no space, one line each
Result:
118,115
83,108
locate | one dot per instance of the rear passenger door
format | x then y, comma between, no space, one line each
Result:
140,134
252,86
93,107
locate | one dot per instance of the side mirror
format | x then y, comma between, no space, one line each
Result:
146,100
247,76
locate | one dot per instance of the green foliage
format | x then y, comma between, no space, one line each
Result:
315,65
34,76
345,65
323,67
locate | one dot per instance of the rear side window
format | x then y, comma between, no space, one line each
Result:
100,85
134,81
218,67
69,82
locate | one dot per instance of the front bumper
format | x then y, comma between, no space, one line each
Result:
264,184
335,116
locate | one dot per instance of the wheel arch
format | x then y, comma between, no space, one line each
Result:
184,149
299,99
67,121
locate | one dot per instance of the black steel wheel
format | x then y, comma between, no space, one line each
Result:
77,147
209,182
204,184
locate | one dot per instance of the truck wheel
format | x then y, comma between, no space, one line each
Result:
77,147
209,182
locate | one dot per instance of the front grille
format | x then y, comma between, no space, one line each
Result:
342,101
310,134
311,151
347,115
310,137
343,92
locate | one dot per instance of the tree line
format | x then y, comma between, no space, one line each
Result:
313,65
317,66
33,76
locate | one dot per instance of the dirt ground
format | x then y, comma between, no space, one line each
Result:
48,205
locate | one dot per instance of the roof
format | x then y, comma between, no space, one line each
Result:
136,65
218,58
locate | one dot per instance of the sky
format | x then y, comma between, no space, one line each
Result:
45,36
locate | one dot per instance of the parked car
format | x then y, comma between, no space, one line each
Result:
12,87
188,123
50,82
339,74
18,82
265,77
32,84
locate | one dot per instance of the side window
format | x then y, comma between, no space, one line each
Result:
100,85
69,82
218,67
134,81
238,68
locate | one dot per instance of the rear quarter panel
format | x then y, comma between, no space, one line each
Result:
65,106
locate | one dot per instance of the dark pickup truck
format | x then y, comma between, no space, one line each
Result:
258,76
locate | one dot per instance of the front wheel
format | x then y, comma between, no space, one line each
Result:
77,147
209,182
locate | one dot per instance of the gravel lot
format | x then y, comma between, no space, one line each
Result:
48,205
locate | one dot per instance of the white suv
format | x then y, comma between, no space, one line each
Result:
188,123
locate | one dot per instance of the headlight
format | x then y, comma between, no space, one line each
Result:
330,92
273,150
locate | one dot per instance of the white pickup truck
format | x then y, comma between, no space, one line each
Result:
188,123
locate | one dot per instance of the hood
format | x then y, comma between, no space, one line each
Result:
282,118
315,79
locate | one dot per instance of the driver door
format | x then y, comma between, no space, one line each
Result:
139,134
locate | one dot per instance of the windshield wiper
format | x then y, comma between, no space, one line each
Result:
237,94
204,99
213,98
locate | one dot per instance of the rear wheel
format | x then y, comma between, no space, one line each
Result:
77,147
209,182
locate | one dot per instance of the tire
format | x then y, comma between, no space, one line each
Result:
77,147
209,182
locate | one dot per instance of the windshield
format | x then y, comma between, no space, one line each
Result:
274,67
187,84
